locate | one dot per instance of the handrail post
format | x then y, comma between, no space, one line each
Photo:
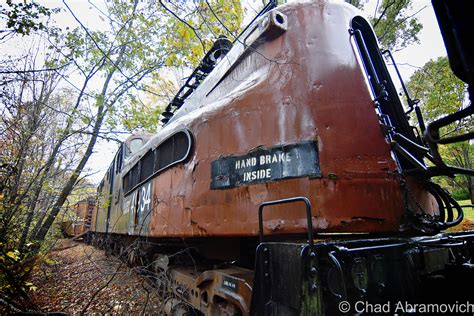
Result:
286,201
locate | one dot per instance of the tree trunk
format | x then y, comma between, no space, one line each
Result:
41,233
101,111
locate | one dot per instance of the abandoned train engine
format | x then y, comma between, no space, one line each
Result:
294,134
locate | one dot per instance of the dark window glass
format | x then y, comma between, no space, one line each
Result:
147,162
181,146
165,153
168,153
126,182
172,150
101,186
135,175
118,166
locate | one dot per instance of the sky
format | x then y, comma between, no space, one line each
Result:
409,59
431,44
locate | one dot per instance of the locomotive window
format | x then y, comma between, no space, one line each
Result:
119,158
165,154
126,182
110,171
147,165
101,186
181,146
135,144
173,150
135,174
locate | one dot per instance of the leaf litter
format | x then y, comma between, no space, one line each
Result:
79,278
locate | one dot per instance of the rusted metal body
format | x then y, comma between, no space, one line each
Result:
214,292
304,85
81,223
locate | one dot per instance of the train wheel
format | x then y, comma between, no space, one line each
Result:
175,307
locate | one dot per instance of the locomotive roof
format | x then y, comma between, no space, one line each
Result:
209,95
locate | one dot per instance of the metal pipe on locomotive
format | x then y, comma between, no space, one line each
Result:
288,170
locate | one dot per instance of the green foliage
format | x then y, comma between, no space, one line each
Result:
191,36
442,93
24,17
185,33
394,23
460,194
141,116
15,269
141,39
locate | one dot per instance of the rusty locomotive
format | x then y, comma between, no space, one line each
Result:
78,223
287,178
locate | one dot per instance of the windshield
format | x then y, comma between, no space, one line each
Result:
134,146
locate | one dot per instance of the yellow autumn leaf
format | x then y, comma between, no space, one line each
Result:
50,262
14,255
31,286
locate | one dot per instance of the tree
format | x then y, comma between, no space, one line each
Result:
33,161
48,133
116,66
396,27
441,93
22,18
190,31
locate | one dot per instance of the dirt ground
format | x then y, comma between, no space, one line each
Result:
79,278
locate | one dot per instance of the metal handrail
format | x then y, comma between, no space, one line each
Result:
286,201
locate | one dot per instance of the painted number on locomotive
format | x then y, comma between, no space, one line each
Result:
145,197
139,205
266,164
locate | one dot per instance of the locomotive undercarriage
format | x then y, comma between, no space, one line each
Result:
299,278
364,276
189,282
